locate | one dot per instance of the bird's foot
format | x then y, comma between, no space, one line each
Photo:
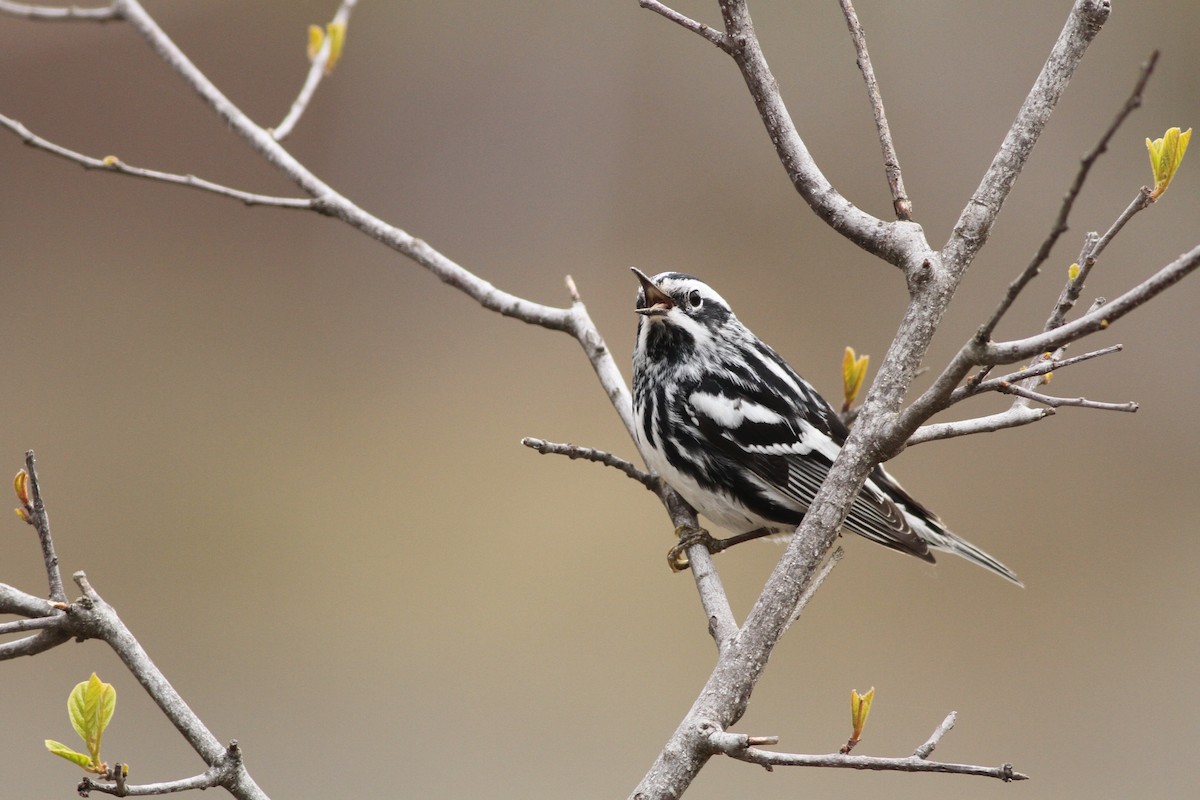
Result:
688,535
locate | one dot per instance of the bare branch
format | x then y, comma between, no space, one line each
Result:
1056,402
1093,246
1014,417
711,34
93,618
935,738
721,623
977,217
1040,366
316,72
1133,102
35,624
59,13
40,613
1097,320
573,452
741,747
114,164
891,163
14,601
205,780
900,243
39,519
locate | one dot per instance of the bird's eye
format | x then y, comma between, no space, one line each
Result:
694,299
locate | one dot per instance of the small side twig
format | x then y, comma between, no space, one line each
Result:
573,452
119,788
1056,402
41,521
59,13
928,746
743,748
713,35
1014,417
1031,271
1093,246
1040,367
316,72
114,164
891,162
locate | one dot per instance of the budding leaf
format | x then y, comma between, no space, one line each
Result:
1072,272
21,486
337,40
1166,154
316,37
860,707
60,749
854,370
90,707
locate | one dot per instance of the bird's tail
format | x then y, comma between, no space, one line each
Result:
939,538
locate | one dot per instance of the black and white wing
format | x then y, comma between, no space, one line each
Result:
769,422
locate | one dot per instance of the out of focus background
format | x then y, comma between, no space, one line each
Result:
290,458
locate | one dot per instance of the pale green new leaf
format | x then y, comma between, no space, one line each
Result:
60,749
90,707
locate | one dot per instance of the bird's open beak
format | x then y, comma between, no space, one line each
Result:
657,301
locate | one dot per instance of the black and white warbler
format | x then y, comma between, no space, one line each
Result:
743,438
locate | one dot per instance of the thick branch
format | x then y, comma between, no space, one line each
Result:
876,433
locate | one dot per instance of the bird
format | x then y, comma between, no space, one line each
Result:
733,429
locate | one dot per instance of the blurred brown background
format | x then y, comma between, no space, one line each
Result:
290,457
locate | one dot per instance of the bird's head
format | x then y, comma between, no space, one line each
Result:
680,314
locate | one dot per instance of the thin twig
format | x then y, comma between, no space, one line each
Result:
1014,417
59,13
713,35
1132,103
900,243
742,748
573,452
891,162
316,72
1056,402
1093,247
1041,366
1019,349
205,780
935,738
35,624
114,164
41,521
